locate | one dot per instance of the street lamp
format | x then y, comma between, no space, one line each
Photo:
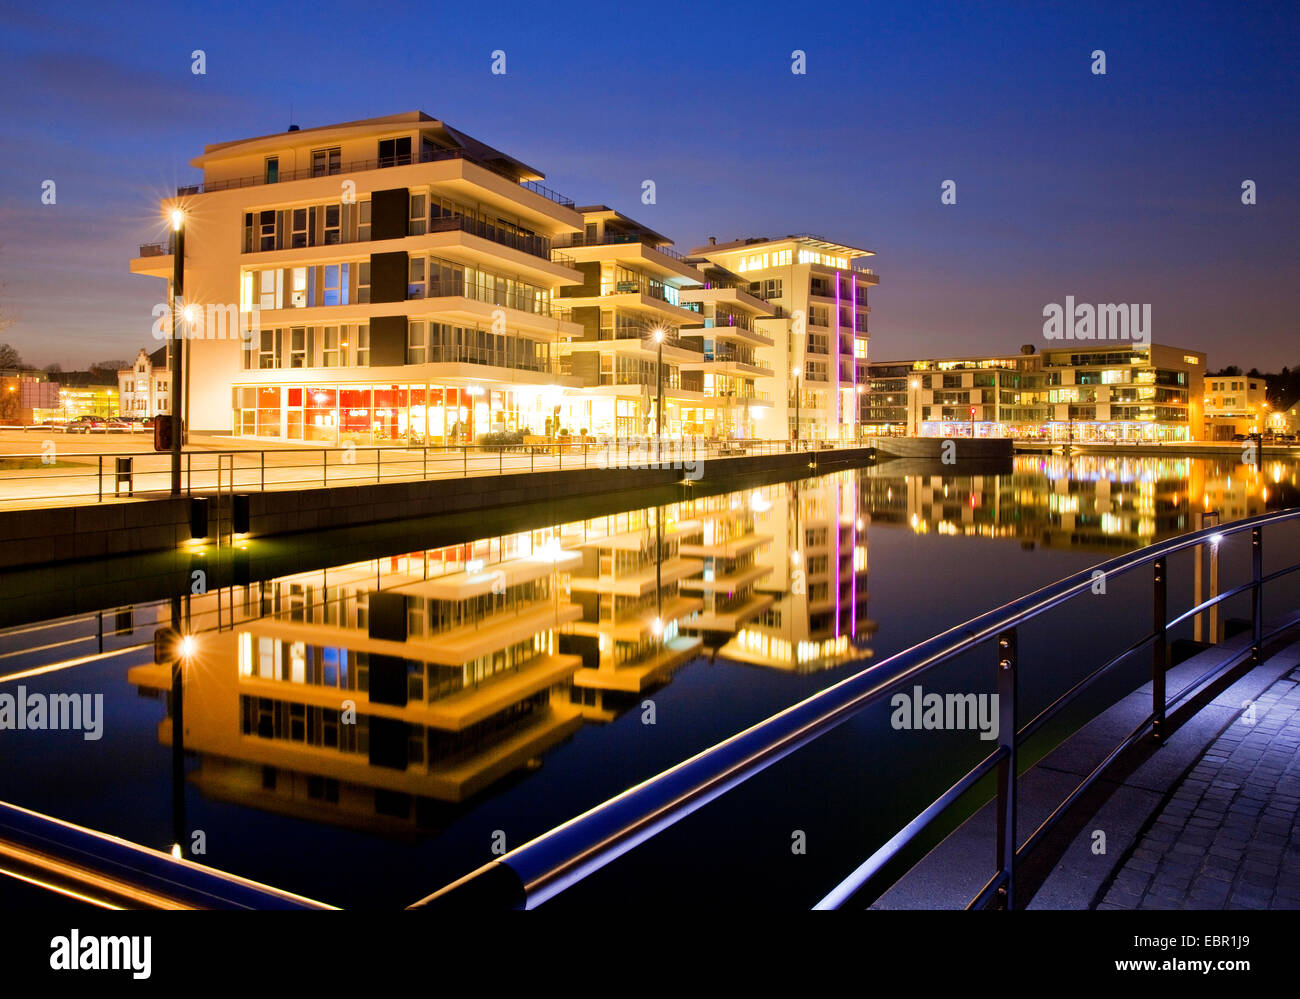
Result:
178,348
659,381
795,372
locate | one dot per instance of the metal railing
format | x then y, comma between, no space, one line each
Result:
425,156
95,477
112,873
611,239
537,246
542,868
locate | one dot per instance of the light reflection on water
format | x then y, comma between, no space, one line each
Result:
403,710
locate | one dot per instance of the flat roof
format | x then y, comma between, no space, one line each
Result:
452,137
806,238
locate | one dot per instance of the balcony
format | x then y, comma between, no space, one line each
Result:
465,354
355,166
155,250
458,288
537,246
612,239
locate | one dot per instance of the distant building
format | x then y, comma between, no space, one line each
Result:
1283,419
144,389
1110,392
1234,404
23,394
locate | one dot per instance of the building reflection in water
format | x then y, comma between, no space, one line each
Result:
1083,501
384,694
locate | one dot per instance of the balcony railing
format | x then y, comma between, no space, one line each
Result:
456,287
154,249
427,156
613,239
465,354
537,246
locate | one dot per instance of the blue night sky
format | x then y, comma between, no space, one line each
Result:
1116,188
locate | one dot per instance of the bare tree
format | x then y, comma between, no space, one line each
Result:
9,357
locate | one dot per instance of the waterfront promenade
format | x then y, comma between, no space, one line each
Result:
1228,834
38,469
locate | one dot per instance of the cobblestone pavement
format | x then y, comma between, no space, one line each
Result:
1229,836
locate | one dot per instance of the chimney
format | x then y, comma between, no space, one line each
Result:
713,240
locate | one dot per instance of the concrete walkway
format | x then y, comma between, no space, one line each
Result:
1229,835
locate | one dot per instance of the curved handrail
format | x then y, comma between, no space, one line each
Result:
536,871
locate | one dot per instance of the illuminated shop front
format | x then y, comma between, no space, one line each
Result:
415,414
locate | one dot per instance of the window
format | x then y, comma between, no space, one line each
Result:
335,291
266,231
267,353
298,298
416,344
298,231
270,290
272,169
416,224
363,281
326,161
363,222
330,348
298,347
395,152
331,228
363,346
415,281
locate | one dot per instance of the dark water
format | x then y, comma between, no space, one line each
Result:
503,684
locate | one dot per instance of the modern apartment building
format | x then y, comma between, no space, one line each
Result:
394,280
1113,392
630,351
818,355
402,276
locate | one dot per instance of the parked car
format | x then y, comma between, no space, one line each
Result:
84,425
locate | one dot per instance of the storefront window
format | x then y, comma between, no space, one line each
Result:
354,415
320,414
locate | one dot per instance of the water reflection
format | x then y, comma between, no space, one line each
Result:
385,695
377,693
1083,501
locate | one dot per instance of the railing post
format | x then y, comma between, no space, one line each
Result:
324,467
1256,594
1160,650
464,451
379,454
101,478
1006,685
263,455
424,469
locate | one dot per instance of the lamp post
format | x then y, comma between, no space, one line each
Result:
659,383
177,351
795,372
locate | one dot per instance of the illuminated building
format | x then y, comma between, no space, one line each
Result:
1112,392
1235,404
818,291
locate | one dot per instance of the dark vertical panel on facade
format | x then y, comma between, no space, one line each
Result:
388,348
387,680
389,213
388,742
388,274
